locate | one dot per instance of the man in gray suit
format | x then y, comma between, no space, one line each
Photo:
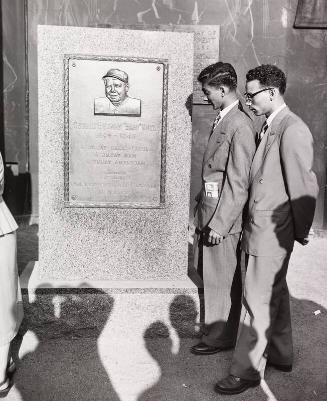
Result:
218,218
281,206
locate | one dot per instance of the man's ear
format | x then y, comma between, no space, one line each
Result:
225,90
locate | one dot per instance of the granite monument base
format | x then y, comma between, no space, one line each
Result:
129,309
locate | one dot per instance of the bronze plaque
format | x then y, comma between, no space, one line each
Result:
115,131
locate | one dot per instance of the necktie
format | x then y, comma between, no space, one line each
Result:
215,123
262,132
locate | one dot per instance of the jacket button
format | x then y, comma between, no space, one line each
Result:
255,201
209,165
261,180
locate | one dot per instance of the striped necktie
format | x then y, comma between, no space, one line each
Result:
262,132
215,123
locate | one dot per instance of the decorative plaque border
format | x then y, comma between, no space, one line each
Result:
137,205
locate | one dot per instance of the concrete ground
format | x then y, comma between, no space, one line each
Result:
99,365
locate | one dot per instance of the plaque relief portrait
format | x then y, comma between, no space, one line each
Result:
117,101
115,131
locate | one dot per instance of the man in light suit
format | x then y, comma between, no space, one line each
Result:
281,206
218,219
117,101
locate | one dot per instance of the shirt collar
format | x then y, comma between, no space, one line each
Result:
227,109
274,114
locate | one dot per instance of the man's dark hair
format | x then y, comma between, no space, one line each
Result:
219,74
268,75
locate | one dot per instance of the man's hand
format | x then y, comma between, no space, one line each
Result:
214,238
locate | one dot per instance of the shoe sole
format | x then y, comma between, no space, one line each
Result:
227,392
196,352
205,353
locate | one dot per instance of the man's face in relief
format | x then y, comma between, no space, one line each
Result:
116,90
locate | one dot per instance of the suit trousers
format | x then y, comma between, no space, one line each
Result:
265,330
222,282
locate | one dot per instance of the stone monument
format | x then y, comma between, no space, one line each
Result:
114,163
113,188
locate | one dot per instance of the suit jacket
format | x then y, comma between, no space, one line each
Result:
227,161
130,106
283,188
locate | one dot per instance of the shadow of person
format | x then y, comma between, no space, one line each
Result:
289,220
159,345
183,315
174,378
183,376
60,359
307,381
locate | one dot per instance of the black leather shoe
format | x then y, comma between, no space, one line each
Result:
234,385
283,368
204,349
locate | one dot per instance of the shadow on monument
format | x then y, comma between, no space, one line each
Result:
27,245
63,327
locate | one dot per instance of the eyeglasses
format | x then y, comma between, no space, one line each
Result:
249,96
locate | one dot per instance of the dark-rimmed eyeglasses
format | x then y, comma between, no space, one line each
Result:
249,96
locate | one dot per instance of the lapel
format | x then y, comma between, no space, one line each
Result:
218,136
271,135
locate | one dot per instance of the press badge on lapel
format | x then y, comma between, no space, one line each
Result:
211,189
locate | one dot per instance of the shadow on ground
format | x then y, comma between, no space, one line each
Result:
192,378
64,363
61,359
